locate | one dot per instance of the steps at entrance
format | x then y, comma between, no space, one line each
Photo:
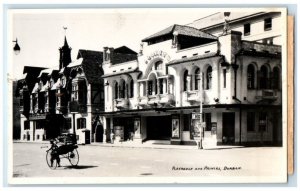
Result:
157,142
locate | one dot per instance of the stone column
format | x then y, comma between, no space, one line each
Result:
147,88
165,89
103,121
168,85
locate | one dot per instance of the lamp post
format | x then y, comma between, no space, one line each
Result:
16,48
199,127
200,112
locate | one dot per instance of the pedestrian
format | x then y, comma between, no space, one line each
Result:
54,153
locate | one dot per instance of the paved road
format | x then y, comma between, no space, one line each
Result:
97,161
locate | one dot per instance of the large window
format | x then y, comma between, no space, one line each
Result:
268,24
159,65
116,90
81,123
264,77
276,78
131,88
247,29
224,78
150,87
250,76
122,89
250,121
185,81
161,86
262,121
75,92
197,79
209,78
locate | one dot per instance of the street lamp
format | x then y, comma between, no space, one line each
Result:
17,48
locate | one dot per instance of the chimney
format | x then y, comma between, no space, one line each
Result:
111,54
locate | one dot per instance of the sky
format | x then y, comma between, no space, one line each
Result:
40,33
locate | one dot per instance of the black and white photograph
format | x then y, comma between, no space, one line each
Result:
148,95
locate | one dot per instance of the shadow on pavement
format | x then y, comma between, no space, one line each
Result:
79,167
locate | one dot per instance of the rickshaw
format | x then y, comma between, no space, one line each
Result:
64,146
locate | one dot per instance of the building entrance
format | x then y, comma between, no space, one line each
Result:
159,128
228,128
125,127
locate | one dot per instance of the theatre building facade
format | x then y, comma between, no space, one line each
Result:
180,69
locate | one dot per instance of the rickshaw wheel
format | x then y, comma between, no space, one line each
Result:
73,157
48,159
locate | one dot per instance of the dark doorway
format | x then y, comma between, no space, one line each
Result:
99,133
159,128
228,128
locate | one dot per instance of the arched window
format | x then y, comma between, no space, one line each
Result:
208,77
197,79
131,89
250,76
116,90
263,77
276,78
159,65
185,80
122,89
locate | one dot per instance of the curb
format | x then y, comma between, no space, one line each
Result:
143,146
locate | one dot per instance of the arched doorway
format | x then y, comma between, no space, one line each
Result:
99,133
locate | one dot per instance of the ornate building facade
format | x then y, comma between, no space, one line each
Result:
178,69
56,101
231,72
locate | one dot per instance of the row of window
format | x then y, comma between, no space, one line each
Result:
267,26
206,80
265,79
122,91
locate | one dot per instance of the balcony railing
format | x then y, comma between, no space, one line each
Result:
267,94
192,96
121,103
156,99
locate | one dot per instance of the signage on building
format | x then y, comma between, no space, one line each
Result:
213,128
198,129
37,117
158,54
195,115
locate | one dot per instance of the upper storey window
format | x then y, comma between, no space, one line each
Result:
185,81
247,29
250,76
197,79
158,65
209,78
268,24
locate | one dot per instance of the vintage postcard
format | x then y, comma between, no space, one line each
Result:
147,95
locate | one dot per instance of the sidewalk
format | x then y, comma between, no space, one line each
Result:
149,145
